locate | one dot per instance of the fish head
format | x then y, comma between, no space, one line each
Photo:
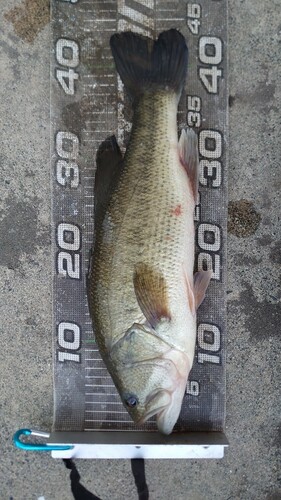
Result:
153,390
150,377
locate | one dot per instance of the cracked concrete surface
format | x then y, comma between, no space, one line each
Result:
250,469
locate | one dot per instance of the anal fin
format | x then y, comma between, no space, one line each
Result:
196,293
190,294
201,283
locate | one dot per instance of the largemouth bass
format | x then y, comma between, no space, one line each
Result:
142,293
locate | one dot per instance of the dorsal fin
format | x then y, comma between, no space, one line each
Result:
109,168
189,158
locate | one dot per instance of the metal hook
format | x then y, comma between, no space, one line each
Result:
37,447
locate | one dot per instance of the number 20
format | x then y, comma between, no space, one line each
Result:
69,260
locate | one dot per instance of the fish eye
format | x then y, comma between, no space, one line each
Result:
131,401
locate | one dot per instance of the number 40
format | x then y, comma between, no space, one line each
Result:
67,55
210,52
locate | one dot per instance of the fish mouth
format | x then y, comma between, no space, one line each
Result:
167,418
164,423
151,414
166,405
156,404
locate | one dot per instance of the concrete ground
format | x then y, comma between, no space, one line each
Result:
250,469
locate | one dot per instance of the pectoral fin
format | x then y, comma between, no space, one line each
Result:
201,282
151,294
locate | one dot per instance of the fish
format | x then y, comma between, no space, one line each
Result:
142,290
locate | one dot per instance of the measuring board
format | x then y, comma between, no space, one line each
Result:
88,104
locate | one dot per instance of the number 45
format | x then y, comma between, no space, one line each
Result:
193,17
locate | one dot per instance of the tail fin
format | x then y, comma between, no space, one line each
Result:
145,65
